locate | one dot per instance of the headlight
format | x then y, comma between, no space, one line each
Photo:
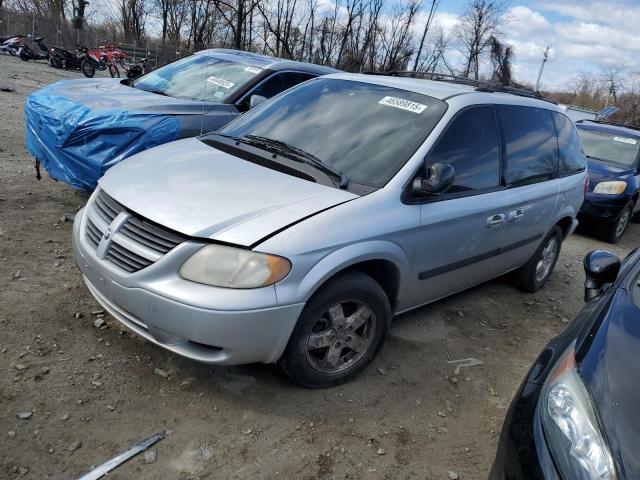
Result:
571,427
610,188
231,267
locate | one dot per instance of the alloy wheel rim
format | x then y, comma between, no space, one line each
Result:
545,264
341,337
622,223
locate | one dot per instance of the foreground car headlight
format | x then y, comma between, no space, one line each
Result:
230,267
610,188
571,427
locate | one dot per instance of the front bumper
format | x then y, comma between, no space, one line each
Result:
602,209
222,336
522,451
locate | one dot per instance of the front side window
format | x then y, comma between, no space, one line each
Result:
531,146
620,149
199,77
472,146
278,82
365,131
572,159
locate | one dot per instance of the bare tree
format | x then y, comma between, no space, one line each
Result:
480,21
432,12
133,14
501,60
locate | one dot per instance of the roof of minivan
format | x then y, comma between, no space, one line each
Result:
613,129
265,61
441,90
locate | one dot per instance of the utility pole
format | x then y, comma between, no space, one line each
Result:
545,57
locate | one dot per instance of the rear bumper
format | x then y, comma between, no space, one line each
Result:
214,336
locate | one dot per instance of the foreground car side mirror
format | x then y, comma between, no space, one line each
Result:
256,100
440,177
601,269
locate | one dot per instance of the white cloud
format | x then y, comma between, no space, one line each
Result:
585,37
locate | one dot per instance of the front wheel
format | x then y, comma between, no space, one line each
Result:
539,268
24,56
339,332
614,232
113,71
87,69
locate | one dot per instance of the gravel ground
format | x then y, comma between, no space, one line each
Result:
89,392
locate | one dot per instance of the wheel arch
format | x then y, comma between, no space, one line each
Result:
565,224
385,262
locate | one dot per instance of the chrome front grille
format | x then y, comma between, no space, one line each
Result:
122,238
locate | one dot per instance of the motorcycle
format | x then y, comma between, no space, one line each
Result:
100,58
25,52
11,44
91,59
62,58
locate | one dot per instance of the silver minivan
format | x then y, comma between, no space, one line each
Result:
296,233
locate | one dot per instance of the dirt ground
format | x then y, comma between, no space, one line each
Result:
91,392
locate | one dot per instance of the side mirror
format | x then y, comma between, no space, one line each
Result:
440,177
256,100
601,269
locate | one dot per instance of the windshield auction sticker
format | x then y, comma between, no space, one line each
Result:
630,141
251,69
220,82
403,104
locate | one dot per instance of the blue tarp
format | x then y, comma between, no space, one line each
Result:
76,143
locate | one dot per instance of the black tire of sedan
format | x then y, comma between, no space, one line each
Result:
615,232
539,268
339,332
87,69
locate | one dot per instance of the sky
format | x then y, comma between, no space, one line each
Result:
588,36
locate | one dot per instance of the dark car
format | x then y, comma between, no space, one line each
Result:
77,129
611,202
576,414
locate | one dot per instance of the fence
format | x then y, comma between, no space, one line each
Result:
64,35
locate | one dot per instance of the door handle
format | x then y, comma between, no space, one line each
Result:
516,214
496,220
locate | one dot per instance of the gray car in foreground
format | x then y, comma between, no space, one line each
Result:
295,233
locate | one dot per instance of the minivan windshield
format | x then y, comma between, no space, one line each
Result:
198,77
615,148
366,132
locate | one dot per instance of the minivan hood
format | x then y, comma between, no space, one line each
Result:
194,189
111,93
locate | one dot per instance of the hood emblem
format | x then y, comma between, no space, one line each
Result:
107,233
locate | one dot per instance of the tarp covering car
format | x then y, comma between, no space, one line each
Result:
77,134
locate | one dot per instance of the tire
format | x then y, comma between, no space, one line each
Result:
87,69
532,276
326,318
24,56
614,233
55,62
113,71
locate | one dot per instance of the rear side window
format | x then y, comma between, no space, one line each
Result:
471,145
280,82
531,146
572,159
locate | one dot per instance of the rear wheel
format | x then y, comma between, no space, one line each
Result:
339,332
55,62
24,56
615,232
87,69
539,268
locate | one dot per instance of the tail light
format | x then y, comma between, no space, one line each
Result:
586,184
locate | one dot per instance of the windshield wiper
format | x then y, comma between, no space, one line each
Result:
157,92
289,150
